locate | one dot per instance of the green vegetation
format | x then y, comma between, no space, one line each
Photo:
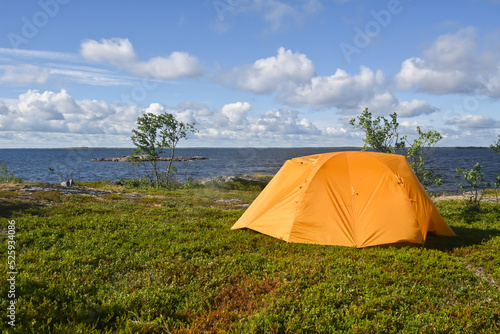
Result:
496,146
382,135
153,135
474,187
6,176
158,261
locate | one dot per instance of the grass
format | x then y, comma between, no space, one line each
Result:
167,262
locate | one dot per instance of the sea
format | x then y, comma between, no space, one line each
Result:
56,165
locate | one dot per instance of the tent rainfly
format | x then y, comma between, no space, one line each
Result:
356,199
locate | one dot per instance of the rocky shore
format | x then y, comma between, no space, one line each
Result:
130,158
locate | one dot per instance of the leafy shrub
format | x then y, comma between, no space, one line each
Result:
142,182
474,187
382,135
6,176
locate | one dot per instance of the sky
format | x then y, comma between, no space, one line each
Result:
247,73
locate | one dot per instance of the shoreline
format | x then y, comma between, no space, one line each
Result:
135,158
85,187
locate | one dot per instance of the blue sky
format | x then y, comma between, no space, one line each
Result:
248,73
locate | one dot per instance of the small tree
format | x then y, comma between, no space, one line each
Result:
496,146
382,135
153,135
7,176
475,187
417,154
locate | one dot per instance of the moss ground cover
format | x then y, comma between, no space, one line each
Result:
167,262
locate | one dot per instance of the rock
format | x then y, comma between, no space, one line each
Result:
67,183
219,179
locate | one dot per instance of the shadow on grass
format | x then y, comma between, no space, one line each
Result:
66,306
8,208
466,236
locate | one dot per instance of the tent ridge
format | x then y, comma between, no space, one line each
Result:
314,163
354,193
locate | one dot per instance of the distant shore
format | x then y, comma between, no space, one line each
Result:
130,158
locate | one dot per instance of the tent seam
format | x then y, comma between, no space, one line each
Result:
300,197
353,217
406,192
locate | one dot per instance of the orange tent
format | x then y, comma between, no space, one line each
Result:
347,199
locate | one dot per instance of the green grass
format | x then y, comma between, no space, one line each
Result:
167,262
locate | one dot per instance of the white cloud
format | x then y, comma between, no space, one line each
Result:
292,77
24,74
414,108
37,54
155,108
275,73
176,65
340,90
120,53
88,75
474,122
59,112
278,15
34,67
335,132
386,103
454,51
46,113
116,51
416,73
236,112
454,63
233,123
284,122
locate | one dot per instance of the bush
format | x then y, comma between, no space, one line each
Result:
7,177
142,182
382,135
474,187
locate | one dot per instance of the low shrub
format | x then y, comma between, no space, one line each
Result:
7,176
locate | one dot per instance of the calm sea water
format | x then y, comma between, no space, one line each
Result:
33,164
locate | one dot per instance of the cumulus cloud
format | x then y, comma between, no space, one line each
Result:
48,112
292,77
120,53
452,51
284,122
273,74
3,108
59,112
235,122
340,90
454,63
417,73
236,113
116,51
155,108
386,103
414,108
